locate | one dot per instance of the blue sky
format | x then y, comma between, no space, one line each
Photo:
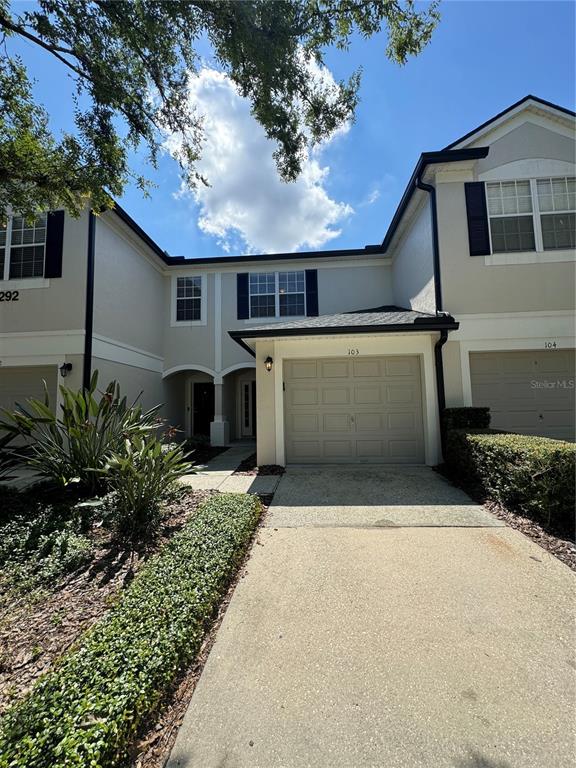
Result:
483,57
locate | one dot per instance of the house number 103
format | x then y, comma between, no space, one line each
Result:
354,352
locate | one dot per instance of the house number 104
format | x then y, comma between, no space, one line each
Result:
354,352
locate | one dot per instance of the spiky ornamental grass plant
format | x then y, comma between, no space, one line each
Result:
74,446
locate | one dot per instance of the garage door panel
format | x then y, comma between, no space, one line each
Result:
305,369
366,368
304,422
400,366
364,395
404,450
335,395
374,413
336,422
334,370
527,391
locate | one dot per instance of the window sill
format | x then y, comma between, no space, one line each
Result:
529,257
187,323
21,285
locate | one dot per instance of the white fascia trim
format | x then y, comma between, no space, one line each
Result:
29,361
118,352
22,285
203,301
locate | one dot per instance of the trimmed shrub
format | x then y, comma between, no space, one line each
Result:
466,418
534,475
88,709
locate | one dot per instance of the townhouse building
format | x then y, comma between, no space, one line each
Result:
327,356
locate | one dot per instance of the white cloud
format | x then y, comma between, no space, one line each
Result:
247,203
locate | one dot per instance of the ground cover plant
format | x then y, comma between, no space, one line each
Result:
87,710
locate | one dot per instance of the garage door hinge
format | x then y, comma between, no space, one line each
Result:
283,387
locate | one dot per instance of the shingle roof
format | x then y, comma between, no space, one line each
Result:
388,315
378,320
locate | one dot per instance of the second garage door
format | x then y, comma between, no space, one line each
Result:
362,409
527,392
19,384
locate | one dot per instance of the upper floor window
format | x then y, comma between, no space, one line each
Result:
532,215
22,248
188,299
277,294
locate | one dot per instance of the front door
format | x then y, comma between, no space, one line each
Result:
203,407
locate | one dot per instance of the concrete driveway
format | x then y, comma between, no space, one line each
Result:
385,621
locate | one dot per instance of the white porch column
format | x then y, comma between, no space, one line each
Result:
219,428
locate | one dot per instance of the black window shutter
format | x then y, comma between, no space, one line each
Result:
242,296
478,236
54,244
312,292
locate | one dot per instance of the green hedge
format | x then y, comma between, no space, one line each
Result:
87,710
466,418
533,475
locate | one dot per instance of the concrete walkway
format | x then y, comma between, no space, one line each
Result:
430,640
218,474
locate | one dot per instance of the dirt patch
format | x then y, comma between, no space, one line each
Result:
563,549
249,467
555,542
155,744
36,630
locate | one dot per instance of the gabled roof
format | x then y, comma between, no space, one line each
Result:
388,319
525,101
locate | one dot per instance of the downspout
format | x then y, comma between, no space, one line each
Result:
89,321
438,358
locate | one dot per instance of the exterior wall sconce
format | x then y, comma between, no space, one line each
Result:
65,369
268,363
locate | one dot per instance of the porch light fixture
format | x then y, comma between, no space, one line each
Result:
268,363
65,369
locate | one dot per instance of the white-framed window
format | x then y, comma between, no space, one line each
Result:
532,214
277,294
22,248
189,300
557,205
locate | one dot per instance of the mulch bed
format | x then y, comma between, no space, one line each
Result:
563,549
555,542
154,747
249,467
33,633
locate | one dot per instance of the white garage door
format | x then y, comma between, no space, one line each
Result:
528,392
18,384
363,409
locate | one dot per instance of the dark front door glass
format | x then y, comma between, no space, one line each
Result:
203,408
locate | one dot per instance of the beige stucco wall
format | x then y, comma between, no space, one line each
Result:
452,374
469,284
59,306
128,289
132,381
340,289
527,141
413,267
